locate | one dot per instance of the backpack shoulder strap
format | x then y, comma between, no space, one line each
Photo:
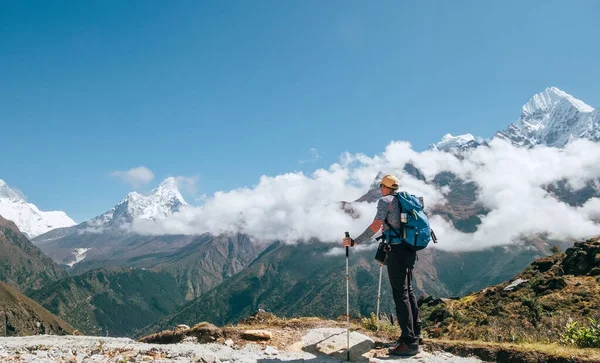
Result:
397,198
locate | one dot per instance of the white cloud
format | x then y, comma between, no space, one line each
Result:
297,207
134,177
340,251
314,156
188,184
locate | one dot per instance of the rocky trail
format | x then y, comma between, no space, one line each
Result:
316,345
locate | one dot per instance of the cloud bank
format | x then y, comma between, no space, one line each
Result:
511,182
134,177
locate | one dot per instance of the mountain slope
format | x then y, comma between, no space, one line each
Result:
19,316
208,261
305,280
105,234
22,264
117,300
287,280
534,306
114,301
30,220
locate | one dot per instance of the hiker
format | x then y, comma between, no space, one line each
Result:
400,264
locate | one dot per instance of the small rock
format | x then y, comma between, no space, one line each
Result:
271,350
208,359
229,343
515,284
81,357
257,335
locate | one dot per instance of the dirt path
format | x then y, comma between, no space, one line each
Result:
318,345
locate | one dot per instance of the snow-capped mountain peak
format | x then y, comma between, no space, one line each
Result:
551,97
168,190
7,193
553,118
30,220
455,143
161,202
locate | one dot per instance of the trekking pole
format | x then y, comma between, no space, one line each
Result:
379,294
347,304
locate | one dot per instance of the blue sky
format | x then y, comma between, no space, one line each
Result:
229,91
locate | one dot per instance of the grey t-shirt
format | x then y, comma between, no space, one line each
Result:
387,207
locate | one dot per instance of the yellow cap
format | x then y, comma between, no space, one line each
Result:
390,181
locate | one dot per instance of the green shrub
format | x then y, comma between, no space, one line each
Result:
371,323
582,336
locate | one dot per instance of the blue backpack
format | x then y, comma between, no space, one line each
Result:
416,232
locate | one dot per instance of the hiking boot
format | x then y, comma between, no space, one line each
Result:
404,349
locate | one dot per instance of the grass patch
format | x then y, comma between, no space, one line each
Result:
381,328
517,352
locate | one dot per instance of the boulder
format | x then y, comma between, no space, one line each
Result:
257,335
543,264
332,342
582,258
515,284
205,332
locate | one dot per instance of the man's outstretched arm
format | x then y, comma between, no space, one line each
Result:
382,209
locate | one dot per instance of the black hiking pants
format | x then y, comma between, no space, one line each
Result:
400,264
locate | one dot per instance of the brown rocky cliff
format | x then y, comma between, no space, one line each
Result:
19,316
22,264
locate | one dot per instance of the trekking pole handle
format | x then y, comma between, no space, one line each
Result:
347,236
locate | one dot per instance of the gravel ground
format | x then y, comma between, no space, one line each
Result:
49,348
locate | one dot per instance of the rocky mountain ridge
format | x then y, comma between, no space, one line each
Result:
23,265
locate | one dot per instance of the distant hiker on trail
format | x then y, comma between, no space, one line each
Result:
400,264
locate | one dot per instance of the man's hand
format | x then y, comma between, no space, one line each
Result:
348,242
